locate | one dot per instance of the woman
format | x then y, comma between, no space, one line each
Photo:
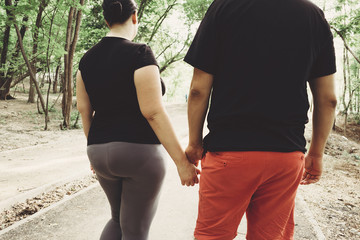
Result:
124,120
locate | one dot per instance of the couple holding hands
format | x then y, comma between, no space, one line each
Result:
252,61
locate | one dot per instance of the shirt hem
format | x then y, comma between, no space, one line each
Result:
252,149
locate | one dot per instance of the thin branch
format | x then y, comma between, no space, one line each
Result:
161,20
32,75
166,48
143,5
345,44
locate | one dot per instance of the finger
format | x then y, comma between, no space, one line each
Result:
305,173
196,180
182,183
311,181
196,163
305,182
305,176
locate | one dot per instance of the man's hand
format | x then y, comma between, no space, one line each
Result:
313,170
194,154
188,173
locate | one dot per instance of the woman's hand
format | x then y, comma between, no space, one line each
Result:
188,173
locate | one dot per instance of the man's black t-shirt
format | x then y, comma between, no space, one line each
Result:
108,70
261,53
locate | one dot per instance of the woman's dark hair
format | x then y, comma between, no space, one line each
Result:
118,11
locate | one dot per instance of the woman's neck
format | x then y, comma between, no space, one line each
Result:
122,31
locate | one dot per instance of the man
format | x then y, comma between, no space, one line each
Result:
255,57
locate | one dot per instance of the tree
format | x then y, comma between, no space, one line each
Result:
53,52
5,47
38,23
13,18
72,33
347,25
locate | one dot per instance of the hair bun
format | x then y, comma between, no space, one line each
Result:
117,9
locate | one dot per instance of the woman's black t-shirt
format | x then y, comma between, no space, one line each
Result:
107,70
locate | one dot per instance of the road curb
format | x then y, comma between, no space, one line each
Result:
7,203
45,210
310,217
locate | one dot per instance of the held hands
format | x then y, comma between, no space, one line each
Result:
313,170
188,172
194,154
187,167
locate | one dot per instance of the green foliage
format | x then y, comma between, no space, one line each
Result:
93,26
346,24
195,10
168,26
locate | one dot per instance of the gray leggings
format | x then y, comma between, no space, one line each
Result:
131,175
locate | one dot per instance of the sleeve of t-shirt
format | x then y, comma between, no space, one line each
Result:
202,51
325,63
145,57
81,64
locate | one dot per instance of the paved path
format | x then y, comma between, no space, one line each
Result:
26,172
83,215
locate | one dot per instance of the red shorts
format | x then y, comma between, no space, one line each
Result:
263,184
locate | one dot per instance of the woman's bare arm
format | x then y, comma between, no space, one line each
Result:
83,104
149,96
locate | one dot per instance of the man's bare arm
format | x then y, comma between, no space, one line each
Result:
323,90
198,103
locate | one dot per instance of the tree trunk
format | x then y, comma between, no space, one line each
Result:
358,92
70,45
62,79
19,79
31,98
349,81
5,44
66,105
32,76
4,52
55,84
42,7
345,80
5,89
345,123
344,92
